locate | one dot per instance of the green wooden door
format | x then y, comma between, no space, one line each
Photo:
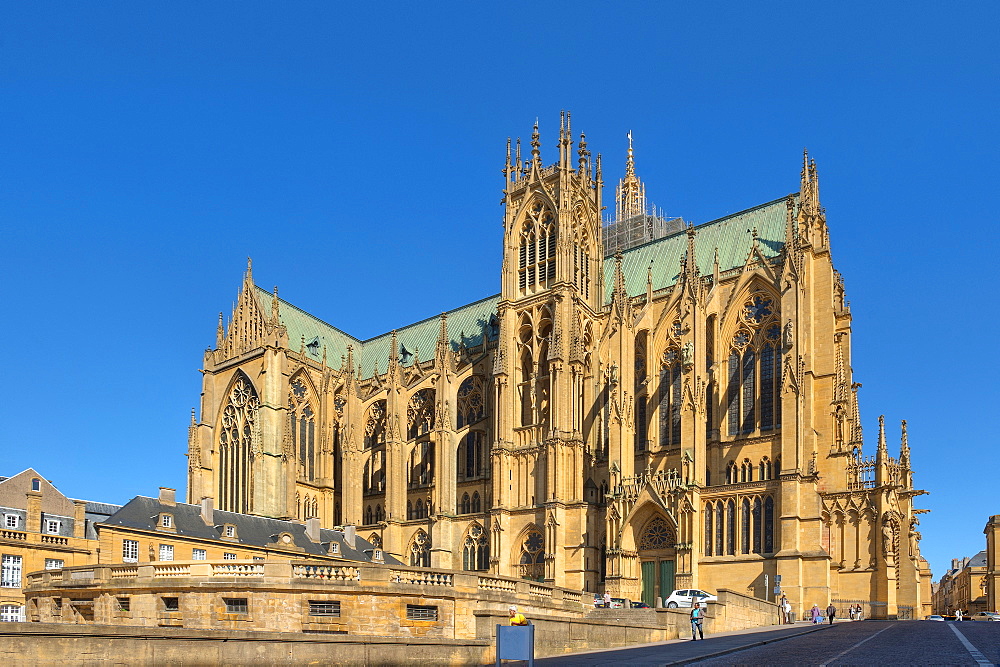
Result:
648,581
666,578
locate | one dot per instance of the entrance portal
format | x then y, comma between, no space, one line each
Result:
657,580
657,559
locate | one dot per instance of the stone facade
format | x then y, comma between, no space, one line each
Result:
40,528
683,414
964,586
991,578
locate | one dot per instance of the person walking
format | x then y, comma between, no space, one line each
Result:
786,610
958,614
815,613
607,600
831,611
697,616
516,617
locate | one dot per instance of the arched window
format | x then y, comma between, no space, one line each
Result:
418,510
375,425
473,461
302,428
769,525
753,396
709,513
477,503
420,413
471,401
746,471
373,479
531,562
466,505
420,550
536,254
757,526
421,471
409,510
641,426
731,528
369,516
375,540
719,528
236,446
745,526
379,513
670,398
764,469
476,549
731,472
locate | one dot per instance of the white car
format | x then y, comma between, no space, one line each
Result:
986,616
687,598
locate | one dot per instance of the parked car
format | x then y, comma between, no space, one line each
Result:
639,605
687,598
934,617
986,616
618,603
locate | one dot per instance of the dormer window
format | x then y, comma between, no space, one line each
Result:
229,530
11,521
377,555
334,548
166,521
52,526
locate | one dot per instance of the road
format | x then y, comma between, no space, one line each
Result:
878,643
844,643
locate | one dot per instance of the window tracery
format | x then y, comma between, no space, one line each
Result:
670,398
473,457
236,446
657,534
420,413
373,476
476,549
752,397
531,562
641,425
302,427
536,254
471,401
375,424
756,526
420,550
421,468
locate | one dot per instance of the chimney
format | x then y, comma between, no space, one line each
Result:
168,496
312,529
207,511
350,533
79,518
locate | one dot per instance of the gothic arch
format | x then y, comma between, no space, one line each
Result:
238,442
528,553
475,548
303,415
419,549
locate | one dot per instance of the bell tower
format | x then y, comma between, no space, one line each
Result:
552,291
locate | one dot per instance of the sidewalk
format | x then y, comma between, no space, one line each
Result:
681,651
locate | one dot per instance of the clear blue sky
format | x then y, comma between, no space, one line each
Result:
146,149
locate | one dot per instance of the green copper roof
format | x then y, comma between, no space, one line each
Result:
730,235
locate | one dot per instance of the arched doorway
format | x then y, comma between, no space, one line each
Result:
657,559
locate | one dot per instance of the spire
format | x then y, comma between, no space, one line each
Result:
350,359
904,448
583,163
443,344
391,369
508,169
630,195
536,154
809,186
882,450
857,434
193,422
690,258
517,153
620,295
274,306
840,386
248,276
220,334
716,269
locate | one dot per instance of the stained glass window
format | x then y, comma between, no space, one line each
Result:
767,387
420,550
471,401
769,525
476,549
375,425
708,529
531,564
749,366
235,447
731,528
745,526
718,529
733,416
757,526
420,413
657,534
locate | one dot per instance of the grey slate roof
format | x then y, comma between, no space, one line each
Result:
143,513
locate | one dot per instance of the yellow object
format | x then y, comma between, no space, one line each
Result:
518,619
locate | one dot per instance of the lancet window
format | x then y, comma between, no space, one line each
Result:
421,468
670,398
581,255
471,401
754,532
420,550
302,428
641,425
420,413
476,549
373,479
473,457
531,561
375,425
536,254
236,446
754,368
533,371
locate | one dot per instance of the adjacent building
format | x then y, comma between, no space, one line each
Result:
41,529
682,413
963,587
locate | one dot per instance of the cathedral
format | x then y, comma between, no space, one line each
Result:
646,405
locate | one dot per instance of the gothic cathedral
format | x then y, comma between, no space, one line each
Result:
647,405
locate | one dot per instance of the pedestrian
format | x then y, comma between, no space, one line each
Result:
697,616
958,614
831,611
516,617
786,609
815,613
607,600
